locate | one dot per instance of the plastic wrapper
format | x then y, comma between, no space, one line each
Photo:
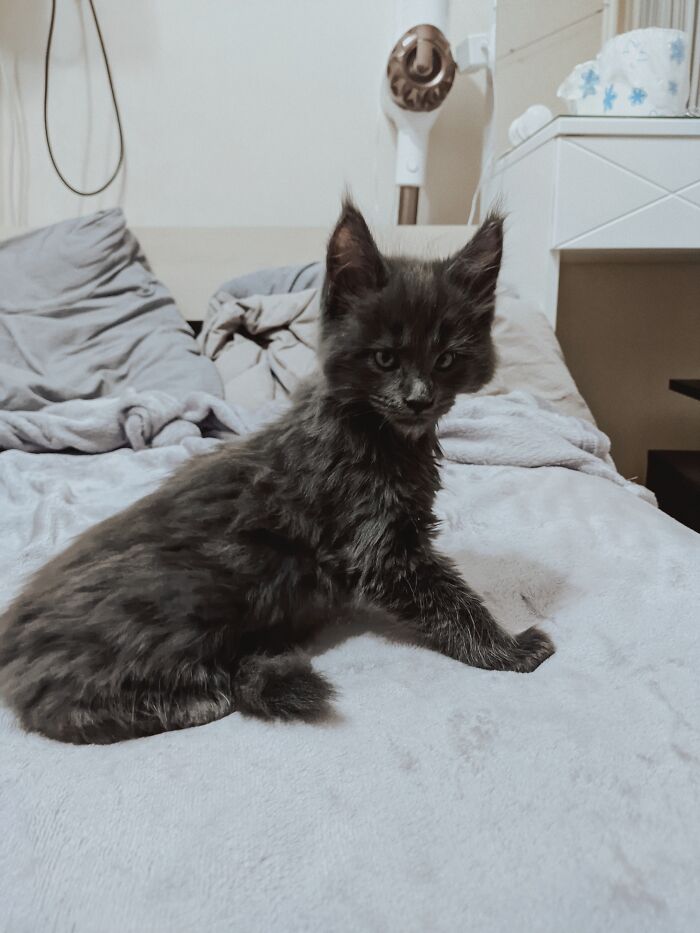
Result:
643,73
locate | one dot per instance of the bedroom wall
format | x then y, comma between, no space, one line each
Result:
243,113
537,45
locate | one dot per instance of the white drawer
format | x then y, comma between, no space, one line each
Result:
626,192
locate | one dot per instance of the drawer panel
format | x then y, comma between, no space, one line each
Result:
627,192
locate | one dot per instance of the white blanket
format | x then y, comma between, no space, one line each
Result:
518,429
442,797
514,429
134,419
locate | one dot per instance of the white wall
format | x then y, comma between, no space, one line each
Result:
250,112
538,42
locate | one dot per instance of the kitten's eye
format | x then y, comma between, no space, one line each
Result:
445,360
386,359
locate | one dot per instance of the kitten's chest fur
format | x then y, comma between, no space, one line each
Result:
357,493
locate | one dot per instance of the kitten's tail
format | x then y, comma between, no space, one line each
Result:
282,686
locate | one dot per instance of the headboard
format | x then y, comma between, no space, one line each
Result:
194,261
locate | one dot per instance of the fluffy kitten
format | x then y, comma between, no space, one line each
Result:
193,601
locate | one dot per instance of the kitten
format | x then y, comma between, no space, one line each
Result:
192,602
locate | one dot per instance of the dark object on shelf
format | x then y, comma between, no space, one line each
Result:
689,387
674,476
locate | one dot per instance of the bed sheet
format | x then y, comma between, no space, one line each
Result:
440,797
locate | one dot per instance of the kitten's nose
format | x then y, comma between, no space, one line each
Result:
417,405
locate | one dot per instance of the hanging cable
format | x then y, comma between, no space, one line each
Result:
47,57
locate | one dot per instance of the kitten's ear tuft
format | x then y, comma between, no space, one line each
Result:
353,262
476,266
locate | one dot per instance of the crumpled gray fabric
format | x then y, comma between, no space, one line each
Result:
134,419
263,346
514,429
82,316
517,429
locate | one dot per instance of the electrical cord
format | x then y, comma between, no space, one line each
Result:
47,57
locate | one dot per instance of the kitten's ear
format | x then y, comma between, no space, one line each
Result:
353,262
475,267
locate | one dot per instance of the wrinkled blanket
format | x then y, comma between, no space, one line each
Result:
263,346
82,316
514,429
520,430
134,419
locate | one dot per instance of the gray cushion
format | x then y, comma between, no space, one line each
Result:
82,316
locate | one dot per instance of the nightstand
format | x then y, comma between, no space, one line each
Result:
674,475
586,186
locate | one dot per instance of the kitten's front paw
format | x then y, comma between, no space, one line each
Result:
522,653
532,647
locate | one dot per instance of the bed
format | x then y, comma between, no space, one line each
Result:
440,797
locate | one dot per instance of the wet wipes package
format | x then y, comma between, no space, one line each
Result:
641,73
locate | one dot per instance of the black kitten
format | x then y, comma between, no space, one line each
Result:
192,602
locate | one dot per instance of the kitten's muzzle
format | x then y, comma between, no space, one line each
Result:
411,420
418,405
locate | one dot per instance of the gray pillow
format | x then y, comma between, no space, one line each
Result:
83,316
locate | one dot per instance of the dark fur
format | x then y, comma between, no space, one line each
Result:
193,601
